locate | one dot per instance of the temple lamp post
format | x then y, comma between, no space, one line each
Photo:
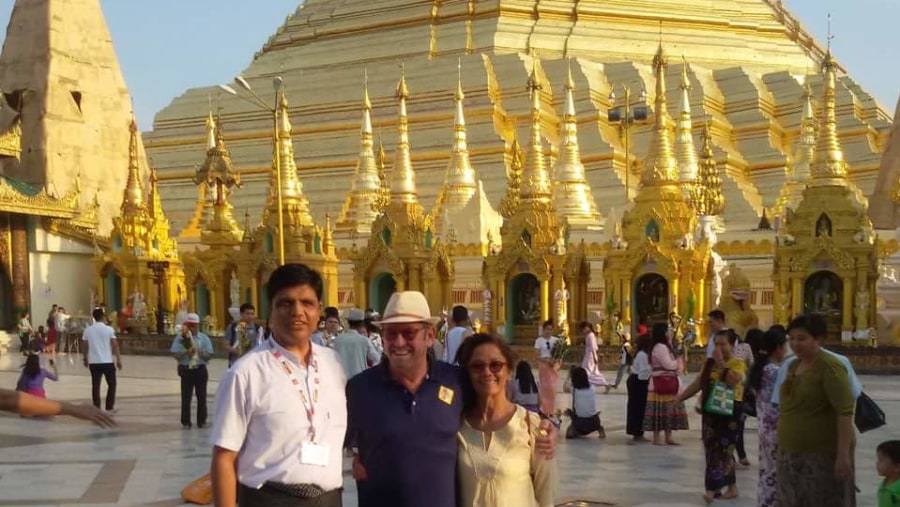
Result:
252,97
625,116
159,269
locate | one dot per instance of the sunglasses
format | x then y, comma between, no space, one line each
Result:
494,366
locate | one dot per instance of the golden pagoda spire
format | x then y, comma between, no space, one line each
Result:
535,180
805,152
296,206
365,198
706,193
828,166
459,181
133,201
685,151
660,167
210,131
572,197
403,178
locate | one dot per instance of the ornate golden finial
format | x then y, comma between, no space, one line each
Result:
366,197
133,202
403,178
660,167
210,131
685,151
706,193
572,196
535,180
828,167
510,201
806,146
459,181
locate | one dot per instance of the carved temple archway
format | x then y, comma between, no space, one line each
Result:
523,308
651,299
380,289
113,297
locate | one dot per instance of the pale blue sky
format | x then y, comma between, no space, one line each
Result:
168,46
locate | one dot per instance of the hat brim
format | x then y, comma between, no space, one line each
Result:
406,319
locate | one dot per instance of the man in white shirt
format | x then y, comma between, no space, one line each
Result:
355,350
457,334
716,322
281,412
100,344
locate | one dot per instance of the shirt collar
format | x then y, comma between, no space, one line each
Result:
893,487
386,371
287,353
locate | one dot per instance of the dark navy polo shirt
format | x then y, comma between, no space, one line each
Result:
407,442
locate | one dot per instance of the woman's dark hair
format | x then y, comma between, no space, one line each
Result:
645,344
753,338
658,335
32,366
547,323
465,353
525,378
293,275
731,334
770,342
580,378
586,324
812,324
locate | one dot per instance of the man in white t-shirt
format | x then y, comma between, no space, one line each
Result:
457,334
281,411
100,344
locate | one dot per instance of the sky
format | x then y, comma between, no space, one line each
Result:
168,46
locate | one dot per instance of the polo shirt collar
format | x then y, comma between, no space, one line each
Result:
287,353
386,371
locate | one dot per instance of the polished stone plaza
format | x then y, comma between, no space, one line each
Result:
149,458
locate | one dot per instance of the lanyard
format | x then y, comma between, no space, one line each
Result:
309,401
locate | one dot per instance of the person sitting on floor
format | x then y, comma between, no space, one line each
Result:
584,414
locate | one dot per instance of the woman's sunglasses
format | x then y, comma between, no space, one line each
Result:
494,366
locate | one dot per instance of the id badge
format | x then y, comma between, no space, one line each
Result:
314,454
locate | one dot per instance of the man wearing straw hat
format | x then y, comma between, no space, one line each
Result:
405,413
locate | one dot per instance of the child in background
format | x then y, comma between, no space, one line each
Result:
889,468
31,380
584,414
38,341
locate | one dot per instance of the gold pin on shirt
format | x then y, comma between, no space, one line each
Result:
445,394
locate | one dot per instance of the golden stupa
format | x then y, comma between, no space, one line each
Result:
744,70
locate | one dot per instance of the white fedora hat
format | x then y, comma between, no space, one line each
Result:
406,307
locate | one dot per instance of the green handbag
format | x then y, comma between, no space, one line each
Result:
720,400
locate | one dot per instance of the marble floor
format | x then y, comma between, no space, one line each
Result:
148,458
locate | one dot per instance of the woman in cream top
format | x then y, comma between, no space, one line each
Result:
497,464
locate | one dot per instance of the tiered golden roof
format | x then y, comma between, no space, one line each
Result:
572,196
706,191
661,166
459,182
829,167
218,176
535,178
366,197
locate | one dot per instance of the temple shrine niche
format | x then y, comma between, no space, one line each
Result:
403,251
655,266
826,257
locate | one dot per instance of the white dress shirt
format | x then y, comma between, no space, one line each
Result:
641,366
260,415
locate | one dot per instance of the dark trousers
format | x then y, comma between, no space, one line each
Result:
108,371
739,444
268,497
637,404
193,380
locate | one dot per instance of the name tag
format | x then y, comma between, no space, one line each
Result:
315,454
445,394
